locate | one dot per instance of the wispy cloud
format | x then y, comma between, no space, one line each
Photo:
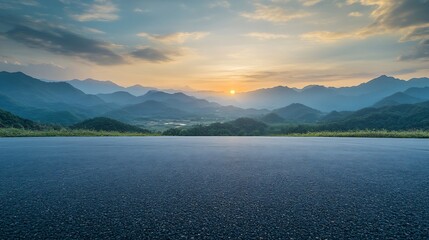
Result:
140,10
326,36
29,2
355,14
266,36
420,52
61,41
37,68
409,18
154,55
100,10
273,14
416,34
174,38
308,3
300,75
221,3
94,30
9,4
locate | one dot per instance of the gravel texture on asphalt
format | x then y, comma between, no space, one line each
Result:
214,188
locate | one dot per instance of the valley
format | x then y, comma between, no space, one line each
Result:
398,106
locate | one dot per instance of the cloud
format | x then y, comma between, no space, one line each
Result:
94,30
308,3
390,15
416,34
154,55
420,52
300,75
139,10
394,14
266,36
409,18
326,36
37,69
10,4
355,14
178,38
223,4
29,2
61,41
100,10
273,14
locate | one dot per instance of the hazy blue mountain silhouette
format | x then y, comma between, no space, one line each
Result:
418,92
92,86
61,103
49,102
34,92
328,98
158,104
397,99
298,113
138,90
180,101
198,106
409,96
149,109
120,98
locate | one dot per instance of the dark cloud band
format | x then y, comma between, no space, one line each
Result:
60,41
151,55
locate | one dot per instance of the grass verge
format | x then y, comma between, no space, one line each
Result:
365,134
16,132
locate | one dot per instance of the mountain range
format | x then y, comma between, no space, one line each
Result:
328,99
323,98
61,103
404,117
91,86
70,102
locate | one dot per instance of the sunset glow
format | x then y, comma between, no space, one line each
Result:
207,45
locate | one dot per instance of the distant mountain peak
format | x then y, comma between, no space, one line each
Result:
16,74
282,88
295,106
155,92
180,94
396,99
384,78
135,85
313,86
297,112
123,93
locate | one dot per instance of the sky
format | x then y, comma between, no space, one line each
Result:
216,45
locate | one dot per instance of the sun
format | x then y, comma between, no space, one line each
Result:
232,91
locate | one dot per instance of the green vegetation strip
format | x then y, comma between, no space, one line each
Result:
16,132
364,134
